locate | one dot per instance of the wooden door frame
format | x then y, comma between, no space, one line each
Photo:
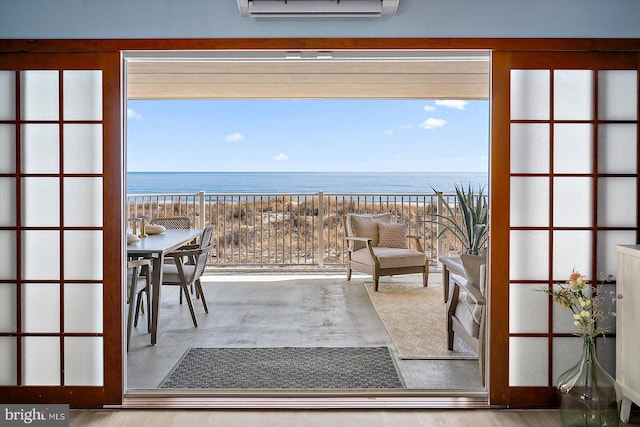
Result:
113,145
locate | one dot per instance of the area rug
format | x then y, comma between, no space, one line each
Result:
414,317
285,368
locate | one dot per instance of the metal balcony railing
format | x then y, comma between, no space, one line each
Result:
294,230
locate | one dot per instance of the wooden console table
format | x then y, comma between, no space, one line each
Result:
449,266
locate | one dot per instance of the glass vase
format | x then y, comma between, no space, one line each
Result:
589,396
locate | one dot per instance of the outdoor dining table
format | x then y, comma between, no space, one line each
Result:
155,247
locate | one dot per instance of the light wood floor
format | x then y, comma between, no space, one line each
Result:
320,418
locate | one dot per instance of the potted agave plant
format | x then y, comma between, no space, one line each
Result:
468,222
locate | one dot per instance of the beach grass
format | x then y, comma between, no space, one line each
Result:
286,230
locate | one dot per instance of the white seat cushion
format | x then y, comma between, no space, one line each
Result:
468,313
170,273
391,257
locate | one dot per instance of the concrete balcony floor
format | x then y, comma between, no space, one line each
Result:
264,309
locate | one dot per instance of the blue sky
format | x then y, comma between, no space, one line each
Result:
307,135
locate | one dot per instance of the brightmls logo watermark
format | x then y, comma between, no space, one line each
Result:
34,415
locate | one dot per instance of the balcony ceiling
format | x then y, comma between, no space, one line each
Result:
310,75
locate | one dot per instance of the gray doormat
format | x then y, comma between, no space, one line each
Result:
285,368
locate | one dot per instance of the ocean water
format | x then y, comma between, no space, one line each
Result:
301,182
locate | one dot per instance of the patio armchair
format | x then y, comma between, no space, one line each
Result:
466,308
379,246
188,274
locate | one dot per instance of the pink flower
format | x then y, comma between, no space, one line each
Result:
575,275
576,280
564,298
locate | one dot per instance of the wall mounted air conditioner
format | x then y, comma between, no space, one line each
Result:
317,8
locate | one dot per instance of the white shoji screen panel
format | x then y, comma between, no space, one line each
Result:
51,228
573,197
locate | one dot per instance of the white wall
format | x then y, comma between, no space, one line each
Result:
415,18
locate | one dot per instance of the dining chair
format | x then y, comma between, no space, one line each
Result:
138,282
174,223
188,274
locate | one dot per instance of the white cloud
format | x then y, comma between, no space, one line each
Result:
132,114
458,104
234,137
432,123
281,157
429,108
388,132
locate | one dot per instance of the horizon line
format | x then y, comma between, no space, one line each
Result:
379,172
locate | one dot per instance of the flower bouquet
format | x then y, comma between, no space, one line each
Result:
589,308
588,395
